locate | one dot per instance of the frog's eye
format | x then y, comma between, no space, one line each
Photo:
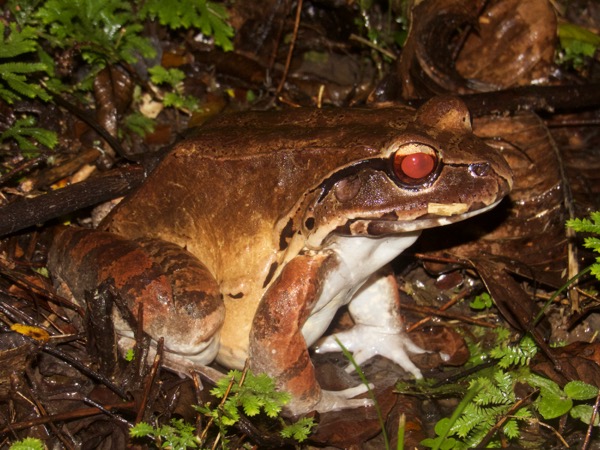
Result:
414,163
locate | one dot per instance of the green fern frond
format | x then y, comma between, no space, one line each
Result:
515,355
511,428
591,225
19,84
18,42
299,430
21,67
466,423
505,383
139,124
160,75
28,136
14,84
104,30
257,393
210,18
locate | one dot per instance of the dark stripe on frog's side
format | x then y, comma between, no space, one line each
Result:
286,234
269,277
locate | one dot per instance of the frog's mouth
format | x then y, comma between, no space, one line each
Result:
438,215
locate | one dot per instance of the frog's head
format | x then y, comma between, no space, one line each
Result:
434,172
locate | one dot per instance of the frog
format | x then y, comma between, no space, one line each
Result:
252,232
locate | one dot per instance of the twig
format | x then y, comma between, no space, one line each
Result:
288,60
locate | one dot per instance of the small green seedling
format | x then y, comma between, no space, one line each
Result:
238,391
28,444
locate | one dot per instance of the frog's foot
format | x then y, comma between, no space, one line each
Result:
366,341
336,400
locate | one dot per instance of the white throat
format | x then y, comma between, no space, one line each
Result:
358,257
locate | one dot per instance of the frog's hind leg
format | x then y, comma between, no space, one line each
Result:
278,348
196,310
180,298
378,329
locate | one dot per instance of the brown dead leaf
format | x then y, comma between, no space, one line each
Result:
513,44
576,361
439,339
454,46
580,151
340,428
426,65
15,351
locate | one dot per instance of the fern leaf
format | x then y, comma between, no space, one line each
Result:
251,405
208,17
471,417
8,96
20,67
212,23
19,84
18,42
26,134
105,30
591,225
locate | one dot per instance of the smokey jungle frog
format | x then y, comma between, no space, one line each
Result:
250,235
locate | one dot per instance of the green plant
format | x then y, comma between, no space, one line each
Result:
16,49
591,225
491,397
174,79
176,436
65,33
105,31
209,17
491,403
299,430
17,64
488,398
554,402
28,444
254,394
26,134
482,301
514,355
576,44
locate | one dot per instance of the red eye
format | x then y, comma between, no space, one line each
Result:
416,166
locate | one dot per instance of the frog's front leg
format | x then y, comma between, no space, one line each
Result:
278,348
180,298
378,328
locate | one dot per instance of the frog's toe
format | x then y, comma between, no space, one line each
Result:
367,341
336,400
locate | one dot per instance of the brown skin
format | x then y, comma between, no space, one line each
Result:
276,343
254,196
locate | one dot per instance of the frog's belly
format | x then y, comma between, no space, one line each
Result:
235,334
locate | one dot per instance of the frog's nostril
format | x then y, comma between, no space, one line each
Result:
479,169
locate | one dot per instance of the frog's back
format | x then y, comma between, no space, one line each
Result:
256,132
